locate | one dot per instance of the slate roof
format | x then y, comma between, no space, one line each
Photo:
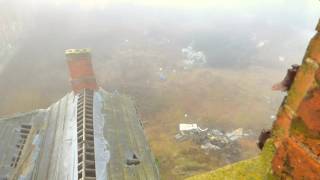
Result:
43,144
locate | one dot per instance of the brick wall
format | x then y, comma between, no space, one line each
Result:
297,128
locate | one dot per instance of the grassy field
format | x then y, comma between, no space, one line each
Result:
219,98
216,98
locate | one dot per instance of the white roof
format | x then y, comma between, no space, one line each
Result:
188,127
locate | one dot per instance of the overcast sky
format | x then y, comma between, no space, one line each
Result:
251,29
192,4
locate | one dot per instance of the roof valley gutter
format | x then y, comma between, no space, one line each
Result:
70,140
101,145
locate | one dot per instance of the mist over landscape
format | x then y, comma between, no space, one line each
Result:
212,63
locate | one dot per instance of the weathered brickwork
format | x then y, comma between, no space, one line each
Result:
297,128
293,160
80,69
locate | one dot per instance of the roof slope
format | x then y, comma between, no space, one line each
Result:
124,133
43,144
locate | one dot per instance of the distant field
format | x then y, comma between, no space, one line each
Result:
218,98
222,98
225,99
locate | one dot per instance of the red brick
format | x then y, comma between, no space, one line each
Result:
80,68
313,50
309,110
81,71
292,160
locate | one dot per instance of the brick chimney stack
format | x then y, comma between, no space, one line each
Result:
80,69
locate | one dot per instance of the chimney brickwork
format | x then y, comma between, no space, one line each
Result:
80,69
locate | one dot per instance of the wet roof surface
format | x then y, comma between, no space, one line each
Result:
43,144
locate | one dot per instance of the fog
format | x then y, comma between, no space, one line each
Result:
145,48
